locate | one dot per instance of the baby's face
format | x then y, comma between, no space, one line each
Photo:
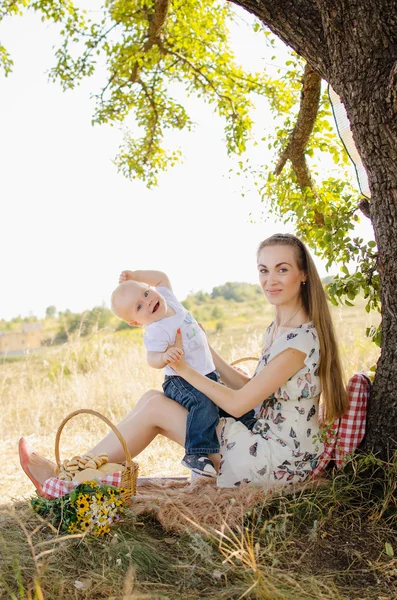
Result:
141,304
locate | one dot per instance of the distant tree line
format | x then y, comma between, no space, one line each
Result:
202,304
236,291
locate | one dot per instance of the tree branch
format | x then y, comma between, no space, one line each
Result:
365,207
157,20
204,76
295,150
310,99
298,23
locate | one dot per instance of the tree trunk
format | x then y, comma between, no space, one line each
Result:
353,45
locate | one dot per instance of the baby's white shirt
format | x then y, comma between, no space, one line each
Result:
160,334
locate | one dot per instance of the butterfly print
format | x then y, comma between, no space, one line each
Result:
308,456
253,449
265,358
221,464
308,432
311,413
279,419
313,390
284,465
296,453
271,403
279,474
281,442
314,335
305,391
291,336
308,377
262,471
299,381
264,412
300,410
285,396
311,458
261,426
292,433
278,406
316,372
312,351
238,483
230,446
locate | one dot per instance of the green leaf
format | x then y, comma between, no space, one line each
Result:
389,549
344,270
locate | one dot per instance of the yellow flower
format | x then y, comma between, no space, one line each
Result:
82,504
102,530
84,525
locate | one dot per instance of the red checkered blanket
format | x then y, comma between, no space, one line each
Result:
56,488
346,433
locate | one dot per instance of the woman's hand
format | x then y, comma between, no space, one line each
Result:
178,363
172,354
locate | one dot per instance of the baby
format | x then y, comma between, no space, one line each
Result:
145,298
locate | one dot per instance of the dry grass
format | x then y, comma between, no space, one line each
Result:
109,373
326,544
329,542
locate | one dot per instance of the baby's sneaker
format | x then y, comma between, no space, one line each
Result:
200,464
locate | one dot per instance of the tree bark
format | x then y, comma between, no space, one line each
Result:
353,45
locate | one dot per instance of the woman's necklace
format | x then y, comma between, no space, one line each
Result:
276,327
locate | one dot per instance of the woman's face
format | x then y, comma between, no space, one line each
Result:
279,275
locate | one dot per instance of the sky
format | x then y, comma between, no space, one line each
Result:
70,223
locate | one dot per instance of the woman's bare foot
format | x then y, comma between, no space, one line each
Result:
36,467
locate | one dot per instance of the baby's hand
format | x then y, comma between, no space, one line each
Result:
126,276
173,355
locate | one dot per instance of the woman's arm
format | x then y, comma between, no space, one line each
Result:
238,402
230,376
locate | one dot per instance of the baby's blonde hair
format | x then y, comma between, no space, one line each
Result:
118,294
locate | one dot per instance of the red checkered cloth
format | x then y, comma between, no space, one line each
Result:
346,433
56,488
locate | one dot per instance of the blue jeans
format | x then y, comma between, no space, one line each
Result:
203,414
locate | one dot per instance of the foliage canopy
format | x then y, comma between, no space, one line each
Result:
154,48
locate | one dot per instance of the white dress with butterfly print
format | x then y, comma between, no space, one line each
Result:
283,447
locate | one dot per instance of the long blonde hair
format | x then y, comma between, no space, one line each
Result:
314,300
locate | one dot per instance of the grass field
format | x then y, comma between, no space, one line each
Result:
108,372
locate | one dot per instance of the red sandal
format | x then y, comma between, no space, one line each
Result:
25,452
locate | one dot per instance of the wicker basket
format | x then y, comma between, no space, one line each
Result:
240,360
129,475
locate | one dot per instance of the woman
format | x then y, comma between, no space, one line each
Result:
284,444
